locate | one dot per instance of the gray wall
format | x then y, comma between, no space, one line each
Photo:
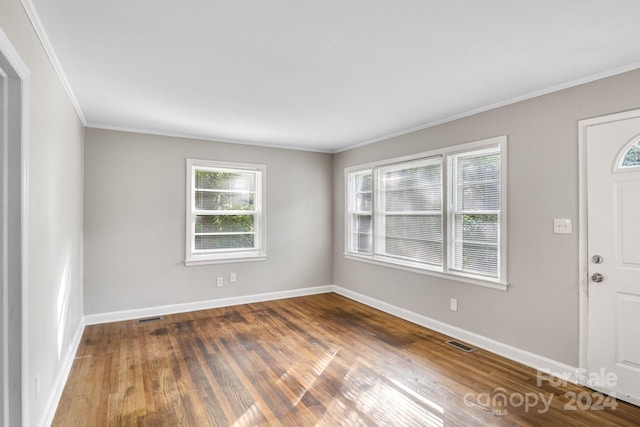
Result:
134,235
539,313
53,292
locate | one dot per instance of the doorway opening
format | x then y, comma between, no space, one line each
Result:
12,202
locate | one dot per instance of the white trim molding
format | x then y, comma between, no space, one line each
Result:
51,54
23,73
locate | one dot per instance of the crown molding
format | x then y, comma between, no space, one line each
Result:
531,95
48,48
187,135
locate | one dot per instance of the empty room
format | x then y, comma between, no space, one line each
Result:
282,213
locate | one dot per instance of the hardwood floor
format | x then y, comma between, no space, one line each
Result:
320,360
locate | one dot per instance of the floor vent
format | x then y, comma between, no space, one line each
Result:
149,319
462,347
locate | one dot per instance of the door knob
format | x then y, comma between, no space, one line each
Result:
597,259
597,277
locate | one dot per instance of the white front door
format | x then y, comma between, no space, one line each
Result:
613,221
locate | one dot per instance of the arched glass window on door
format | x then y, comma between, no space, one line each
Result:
632,157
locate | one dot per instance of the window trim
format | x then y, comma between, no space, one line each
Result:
258,253
500,283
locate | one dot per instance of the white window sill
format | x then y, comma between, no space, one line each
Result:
458,277
205,261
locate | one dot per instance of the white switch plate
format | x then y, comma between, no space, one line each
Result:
454,304
562,226
219,282
232,278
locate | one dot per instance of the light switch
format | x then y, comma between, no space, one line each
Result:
562,226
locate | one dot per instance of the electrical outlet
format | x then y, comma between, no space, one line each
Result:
232,278
562,226
454,304
219,282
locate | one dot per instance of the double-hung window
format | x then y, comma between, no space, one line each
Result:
474,212
408,214
225,212
441,212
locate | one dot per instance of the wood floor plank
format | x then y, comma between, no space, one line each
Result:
320,360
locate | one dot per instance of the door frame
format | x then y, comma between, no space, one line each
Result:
583,236
15,148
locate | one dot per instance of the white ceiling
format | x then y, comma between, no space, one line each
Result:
323,74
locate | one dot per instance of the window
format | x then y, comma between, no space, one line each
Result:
474,212
440,212
225,215
409,211
360,212
632,157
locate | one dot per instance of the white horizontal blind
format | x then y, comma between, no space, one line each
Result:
474,212
408,211
224,210
360,208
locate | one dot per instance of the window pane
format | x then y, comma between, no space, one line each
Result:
478,182
477,259
234,241
414,186
479,168
479,197
214,200
224,223
632,158
363,202
363,182
475,228
415,250
424,227
415,237
361,236
420,199
220,180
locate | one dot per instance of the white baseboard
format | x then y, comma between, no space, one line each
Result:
61,380
117,316
540,363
